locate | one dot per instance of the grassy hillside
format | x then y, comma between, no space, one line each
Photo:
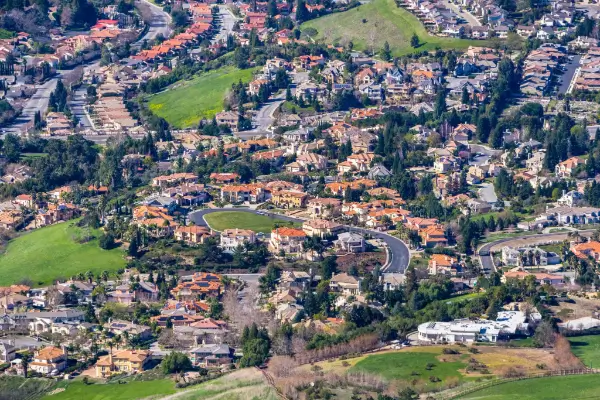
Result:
52,252
373,23
184,104
77,390
243,220
555,388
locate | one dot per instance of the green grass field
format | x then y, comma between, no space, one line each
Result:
555,388
380,20
222,220
185,103
587,348
411,365
77,390
52,252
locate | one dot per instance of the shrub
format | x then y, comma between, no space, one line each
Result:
474,350
429,366
450,351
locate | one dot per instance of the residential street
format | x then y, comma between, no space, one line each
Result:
158,24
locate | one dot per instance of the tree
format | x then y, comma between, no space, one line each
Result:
176,362
483,129
544,335
386,53
465,96
25,359
302,13
107,241
414,40
440,103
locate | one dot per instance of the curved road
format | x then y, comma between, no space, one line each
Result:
399,255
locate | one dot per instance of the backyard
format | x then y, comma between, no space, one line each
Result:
187,102
55,251
371,25
222,220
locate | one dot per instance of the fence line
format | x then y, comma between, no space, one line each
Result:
499,381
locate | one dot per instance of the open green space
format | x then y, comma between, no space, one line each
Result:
371,24
222,220
411,365
554,388
185,103
587,348
77,390
55,251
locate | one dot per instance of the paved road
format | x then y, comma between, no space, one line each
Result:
471,20
569,74
227,22
159,23
264,118
485,251
399,253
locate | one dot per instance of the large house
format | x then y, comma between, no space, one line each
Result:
193,234
127,361
232,238
287,240
49,359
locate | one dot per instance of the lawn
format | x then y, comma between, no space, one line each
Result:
370,25
77,390
185,103
222,220
409,365
52,252
555,388
587,348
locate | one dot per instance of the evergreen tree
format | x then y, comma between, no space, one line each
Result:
414,41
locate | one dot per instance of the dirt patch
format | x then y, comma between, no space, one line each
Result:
579,308
499,359
364,262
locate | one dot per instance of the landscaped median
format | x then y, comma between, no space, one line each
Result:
221,220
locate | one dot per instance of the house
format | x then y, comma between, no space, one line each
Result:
350,242
192,234
567,167
345,284
541,278
224,177
211,355
442,264
124,361
287,240
587,250
8,352
232,238
198,285
476,206
229,119
289,199
324,207
570,199
432,236
379,171
170,180
321,228
48,360
24,200
125,328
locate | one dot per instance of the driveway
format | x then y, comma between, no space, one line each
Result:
399,255
471,20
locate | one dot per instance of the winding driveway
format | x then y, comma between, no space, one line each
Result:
399,255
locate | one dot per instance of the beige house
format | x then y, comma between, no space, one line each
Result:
345,284
324,207
128,361
321,228
192,234
287,240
